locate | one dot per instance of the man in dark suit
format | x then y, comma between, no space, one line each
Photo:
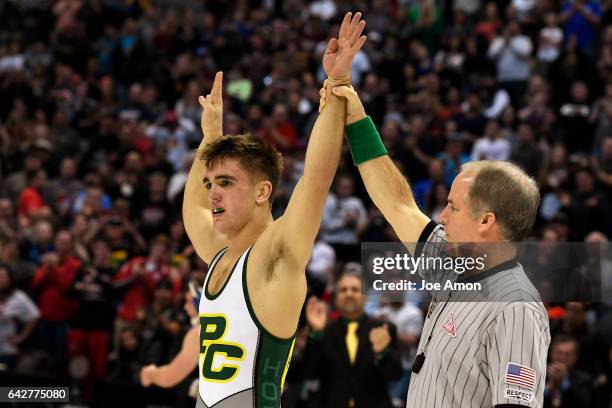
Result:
354,357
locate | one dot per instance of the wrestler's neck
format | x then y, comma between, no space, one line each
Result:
241,239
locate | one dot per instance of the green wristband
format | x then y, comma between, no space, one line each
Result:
364,141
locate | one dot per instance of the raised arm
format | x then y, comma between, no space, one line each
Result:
302,217
197,216
386,186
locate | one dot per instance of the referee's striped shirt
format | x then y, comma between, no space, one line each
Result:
486,351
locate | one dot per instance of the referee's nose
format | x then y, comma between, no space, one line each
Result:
443,217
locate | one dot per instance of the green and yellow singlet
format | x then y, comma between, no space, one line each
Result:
241,364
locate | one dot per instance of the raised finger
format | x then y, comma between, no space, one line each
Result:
216,89
345,24
357,32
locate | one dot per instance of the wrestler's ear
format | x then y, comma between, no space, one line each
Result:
264,191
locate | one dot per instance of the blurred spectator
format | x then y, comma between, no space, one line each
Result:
344,219
471,121
436,200
31,199
8,221
408,319
453,157
65,187
581,18
574,123
601,117
124,240
324,9
549,41
292,171
566,386
425,17
511,52
587,207
162,323
176,184
41,242
492,146
591,347
355,357
491,24
602,166
137,280
423,188
469,7
176,133
52,283
130,55
154,209
91,327
15,307
17,181
280,132
127,365
23,270
526,153
322,262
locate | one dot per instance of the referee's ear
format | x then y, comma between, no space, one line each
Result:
488,222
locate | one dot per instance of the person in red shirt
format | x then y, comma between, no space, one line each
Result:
138,278
30,199
52,282
280,132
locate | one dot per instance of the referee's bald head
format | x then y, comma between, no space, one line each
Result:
490,201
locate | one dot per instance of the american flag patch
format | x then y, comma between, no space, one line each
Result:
520,375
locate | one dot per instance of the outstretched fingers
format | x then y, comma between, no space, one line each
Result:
346,21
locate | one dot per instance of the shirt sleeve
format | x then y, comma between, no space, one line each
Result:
517,345
24,308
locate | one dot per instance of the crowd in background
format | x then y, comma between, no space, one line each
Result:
99,118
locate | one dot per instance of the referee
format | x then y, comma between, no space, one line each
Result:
487,349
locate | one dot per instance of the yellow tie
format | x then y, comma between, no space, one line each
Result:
352,341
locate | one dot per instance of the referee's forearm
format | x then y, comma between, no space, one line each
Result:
385,184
